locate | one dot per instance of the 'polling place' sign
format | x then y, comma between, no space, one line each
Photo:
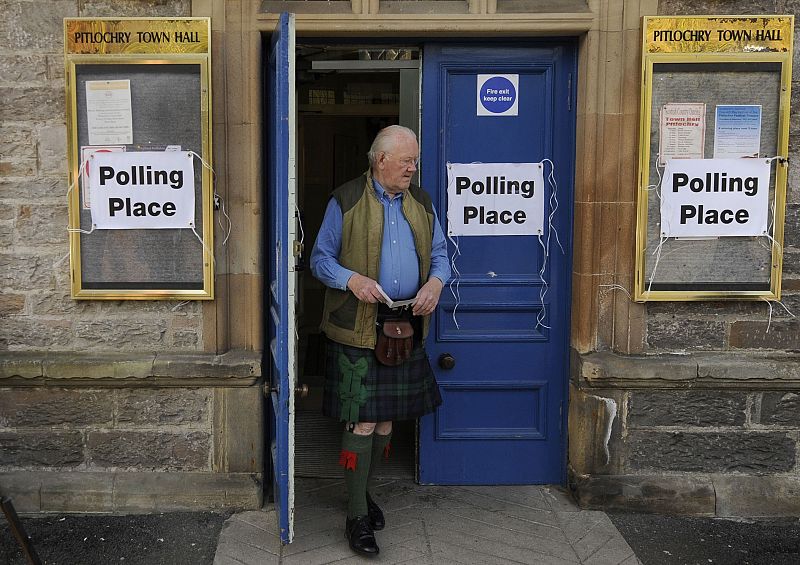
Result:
142,190
495,198
715,197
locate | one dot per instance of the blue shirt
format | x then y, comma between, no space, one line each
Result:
399,264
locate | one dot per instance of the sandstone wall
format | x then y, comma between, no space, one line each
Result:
37,312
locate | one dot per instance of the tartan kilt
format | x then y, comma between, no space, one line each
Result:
402,392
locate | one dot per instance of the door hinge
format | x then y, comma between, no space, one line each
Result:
569,93
297,248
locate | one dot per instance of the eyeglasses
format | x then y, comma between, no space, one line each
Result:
407,162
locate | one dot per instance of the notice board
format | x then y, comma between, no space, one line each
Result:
713,88
139,85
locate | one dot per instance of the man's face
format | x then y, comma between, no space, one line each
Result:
395,166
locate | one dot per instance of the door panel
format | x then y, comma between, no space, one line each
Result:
503,413
280,322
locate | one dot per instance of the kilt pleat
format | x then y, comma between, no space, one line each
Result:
356,384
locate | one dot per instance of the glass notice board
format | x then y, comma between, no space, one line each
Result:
696,82
169,110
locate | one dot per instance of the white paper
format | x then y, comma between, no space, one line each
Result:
395,303
495,198
86,152
682,131
108,111
715,197
142,190
737,131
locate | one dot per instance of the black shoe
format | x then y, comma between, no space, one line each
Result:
360,535
375,513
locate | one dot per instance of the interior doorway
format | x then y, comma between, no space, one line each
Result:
345,95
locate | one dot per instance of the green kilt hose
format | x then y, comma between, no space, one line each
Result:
360,389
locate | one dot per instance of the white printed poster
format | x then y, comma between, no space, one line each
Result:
715,197
142,190
495,198
737,131
108,112
682,131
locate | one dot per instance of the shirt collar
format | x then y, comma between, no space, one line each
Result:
381,192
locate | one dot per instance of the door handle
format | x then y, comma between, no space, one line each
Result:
447,361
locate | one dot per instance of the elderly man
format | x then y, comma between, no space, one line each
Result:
380,232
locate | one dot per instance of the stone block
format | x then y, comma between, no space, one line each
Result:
180,491
163,308
186,339
37,103
17,168
55,303
712,452
239,441
79,491
40,407
41,448
27,333
17,142
39,224
163,406
122,367
703,7
23,488
31,189
237,364
21,365
134,8
757,496
148,450
23,68
791,230
85,491
792,284
686,408
707,308
592,421
26,272
780,408
6,231
791,262
35,25
754,335
7,211
129,333
11,304
55,68
685,495
52,149
679,333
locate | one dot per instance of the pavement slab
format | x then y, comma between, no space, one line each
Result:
433,525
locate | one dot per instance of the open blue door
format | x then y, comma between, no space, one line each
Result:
503,415
280,161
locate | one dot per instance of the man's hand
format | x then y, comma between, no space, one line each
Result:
428,297
365,289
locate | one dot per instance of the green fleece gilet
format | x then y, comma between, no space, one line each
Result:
345,319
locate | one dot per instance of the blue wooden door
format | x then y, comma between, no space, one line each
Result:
503,417
281,292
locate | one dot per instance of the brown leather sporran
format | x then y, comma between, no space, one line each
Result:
395,342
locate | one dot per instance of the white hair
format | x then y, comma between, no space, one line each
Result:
385,139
